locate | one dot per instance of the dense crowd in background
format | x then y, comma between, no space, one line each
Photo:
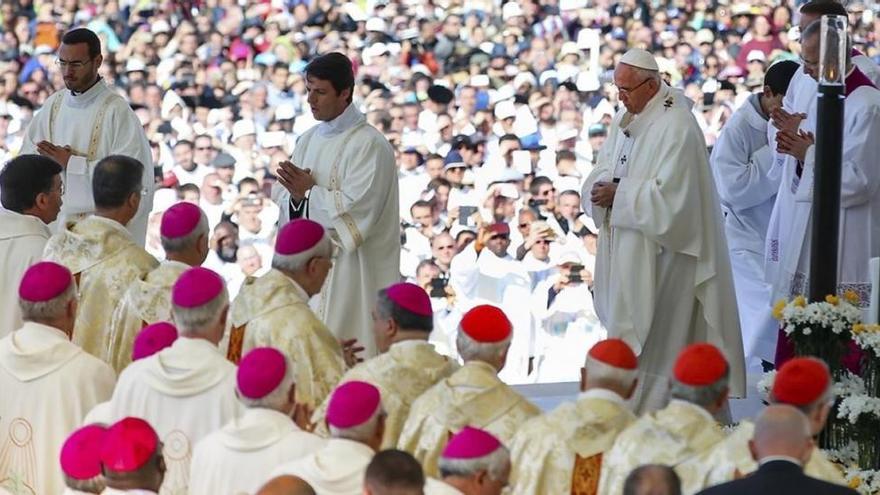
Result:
496,112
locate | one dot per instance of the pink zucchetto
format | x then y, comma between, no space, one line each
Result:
298,236
44,281
411,297
81,452
470,443
129,444
196,287
180,220
260,372
352,404
152,339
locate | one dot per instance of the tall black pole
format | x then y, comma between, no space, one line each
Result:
826,191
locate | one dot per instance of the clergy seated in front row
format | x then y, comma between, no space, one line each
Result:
185,391
683,429
47,383
273,311
184,233
408,365
474,462
356,420
101,253
473,395
804,383
561,451
239,457
132,459
781,444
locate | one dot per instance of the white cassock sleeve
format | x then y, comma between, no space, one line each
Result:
358,205
742,181
604,172
464,273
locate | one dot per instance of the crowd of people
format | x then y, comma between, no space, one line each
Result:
203,203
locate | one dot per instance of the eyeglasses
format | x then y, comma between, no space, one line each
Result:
73,64
523,225
547,192
500,236
543,241
628,91
444,248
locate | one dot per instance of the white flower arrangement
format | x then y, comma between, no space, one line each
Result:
866,482
849,384
867,337
834,314
853,407
765,384
848,455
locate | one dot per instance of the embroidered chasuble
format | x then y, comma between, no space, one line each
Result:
273,311
472,396
47,385
561,451
105,260
95,124
356,198
669,436
402,374
147,301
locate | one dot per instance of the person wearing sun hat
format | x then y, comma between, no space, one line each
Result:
39,361
132,458
187,390
239,457
555,452
474,462
273,311
408,365
804,383
684,428
356,420
473,395
147,300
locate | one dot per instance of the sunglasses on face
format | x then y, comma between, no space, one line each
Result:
500,237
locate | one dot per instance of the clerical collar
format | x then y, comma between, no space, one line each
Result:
74,93
773,458
350,117
603,394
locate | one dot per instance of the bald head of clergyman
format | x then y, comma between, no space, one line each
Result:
782,430
286,485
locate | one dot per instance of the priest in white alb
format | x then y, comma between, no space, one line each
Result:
408,365
85,122
184,234
663,277
561,451
239,457
47,383
474,462
185,391
30,193
344,177
356,420
103,256
273,311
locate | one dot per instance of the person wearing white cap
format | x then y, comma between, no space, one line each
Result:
85,122
663,276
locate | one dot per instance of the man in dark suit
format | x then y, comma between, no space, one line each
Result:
781,444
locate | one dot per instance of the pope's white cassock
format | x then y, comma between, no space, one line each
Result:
95,124
787,256
22,239
356,198
238,458
663,277
185,392
47,385
747,181
337,469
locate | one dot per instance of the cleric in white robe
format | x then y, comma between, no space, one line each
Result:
356,420
81,460
474,461
663,277
132,459
185,391
344,177
742,165
30,192
47,383
239,457
85,122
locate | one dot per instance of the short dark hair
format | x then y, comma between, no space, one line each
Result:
421,204
116,178
23,178
823,8
640,475
570,192
565,155
779,75
537,182
188,188
334,67
187,142
394,469
404,318
83,35
248,180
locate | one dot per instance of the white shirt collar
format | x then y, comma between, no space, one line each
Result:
604,394
697,408
771,458
345,121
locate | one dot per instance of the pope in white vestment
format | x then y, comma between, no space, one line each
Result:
663,277
95,123
355,196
